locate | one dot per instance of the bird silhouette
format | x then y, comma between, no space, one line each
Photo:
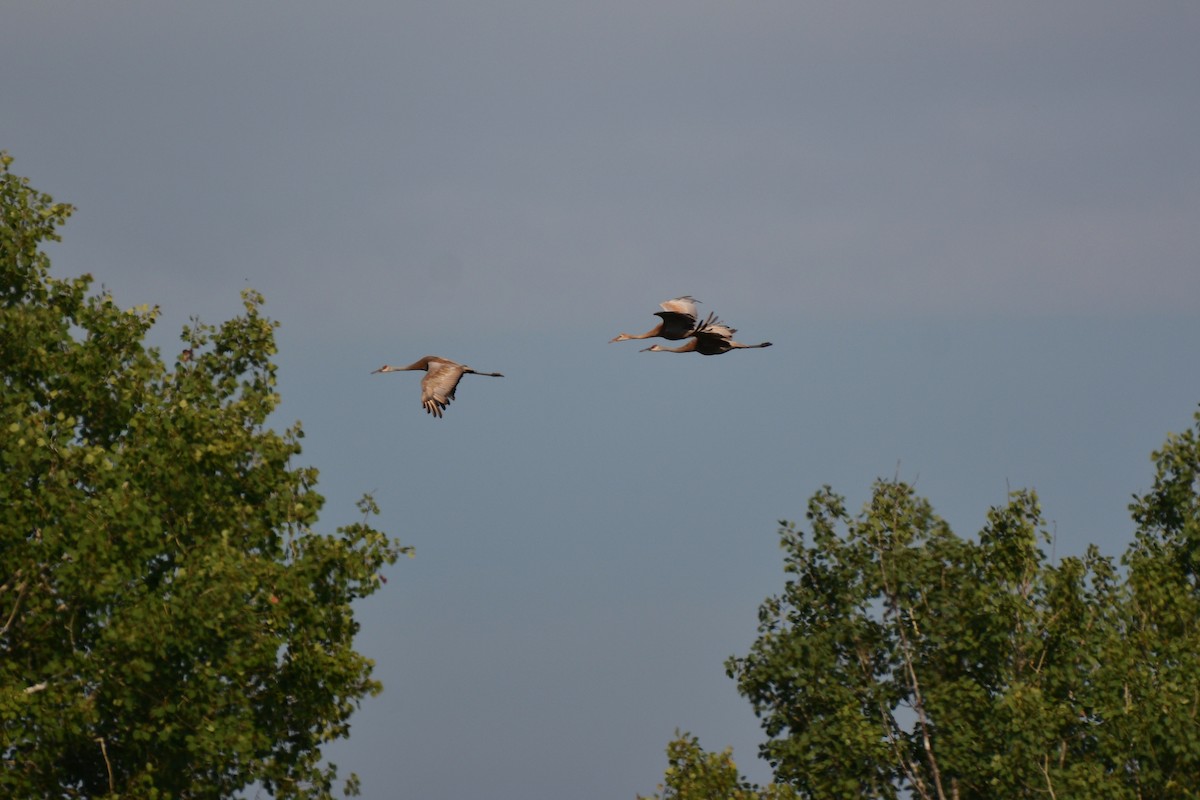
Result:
710,338
440,381
678,321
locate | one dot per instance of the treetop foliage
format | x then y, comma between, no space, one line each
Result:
171,624
901,660
693,774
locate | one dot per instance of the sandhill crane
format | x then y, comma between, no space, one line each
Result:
438,385
678,320
710,338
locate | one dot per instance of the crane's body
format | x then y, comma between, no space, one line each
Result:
441,379
710,338
678,321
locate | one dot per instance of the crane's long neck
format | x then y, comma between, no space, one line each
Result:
647,335
390,368
683,348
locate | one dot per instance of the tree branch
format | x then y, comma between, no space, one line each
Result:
112,789
21,589
1046,771
914,684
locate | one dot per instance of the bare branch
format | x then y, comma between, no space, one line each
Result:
1044,766
112,789
21,589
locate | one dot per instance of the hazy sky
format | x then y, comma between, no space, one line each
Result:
971,230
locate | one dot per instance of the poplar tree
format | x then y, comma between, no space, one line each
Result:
901,660
172,623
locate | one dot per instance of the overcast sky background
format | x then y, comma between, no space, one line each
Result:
971,230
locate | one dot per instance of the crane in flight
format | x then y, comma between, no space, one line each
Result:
678,321
710,338
440,381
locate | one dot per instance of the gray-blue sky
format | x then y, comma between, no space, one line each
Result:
970,229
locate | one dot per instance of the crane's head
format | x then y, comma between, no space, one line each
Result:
654,348
384,368
620,337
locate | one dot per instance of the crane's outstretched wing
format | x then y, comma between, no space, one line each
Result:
678,316
438,385
712,327
685,305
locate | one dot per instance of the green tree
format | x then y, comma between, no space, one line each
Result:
171,625
693,774
901,660
1153,686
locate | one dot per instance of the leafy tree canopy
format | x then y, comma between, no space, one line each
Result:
693,774
901,660
171,625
